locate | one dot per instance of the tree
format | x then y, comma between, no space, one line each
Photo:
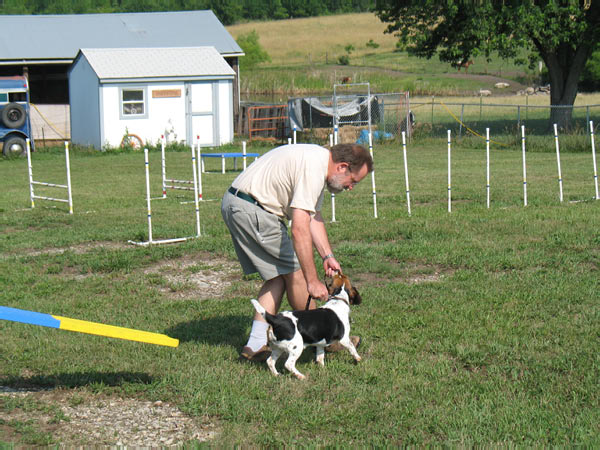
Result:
254,52
562,33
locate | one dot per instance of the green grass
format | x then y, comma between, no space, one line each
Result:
480,326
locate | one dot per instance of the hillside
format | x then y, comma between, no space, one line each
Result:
305,60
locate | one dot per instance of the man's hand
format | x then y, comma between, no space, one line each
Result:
331,266
317,290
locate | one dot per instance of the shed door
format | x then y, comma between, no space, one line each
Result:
202,113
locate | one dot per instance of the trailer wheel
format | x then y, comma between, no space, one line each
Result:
13,115
14,146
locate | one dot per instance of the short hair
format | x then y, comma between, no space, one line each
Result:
354,155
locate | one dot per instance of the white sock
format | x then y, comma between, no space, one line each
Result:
258,335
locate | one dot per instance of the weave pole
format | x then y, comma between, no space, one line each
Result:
67,186
373,177
560,182
335,141
244,153
449,173
487,165
294,134
196,195
594,159
524,166
406,172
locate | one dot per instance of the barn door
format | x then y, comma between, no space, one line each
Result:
202,113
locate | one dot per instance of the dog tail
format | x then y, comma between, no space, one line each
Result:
258,307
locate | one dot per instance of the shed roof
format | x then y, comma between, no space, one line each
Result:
59,37
156,63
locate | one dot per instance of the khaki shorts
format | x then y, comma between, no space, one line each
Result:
260,239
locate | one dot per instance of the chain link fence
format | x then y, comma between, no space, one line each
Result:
435,117
314,118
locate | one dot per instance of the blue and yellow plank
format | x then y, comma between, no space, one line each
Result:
83,326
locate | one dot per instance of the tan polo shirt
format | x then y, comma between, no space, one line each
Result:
290,176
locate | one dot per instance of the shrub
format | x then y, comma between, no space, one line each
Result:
372,44
344,60
255,54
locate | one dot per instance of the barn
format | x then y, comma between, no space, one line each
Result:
141,94
45,51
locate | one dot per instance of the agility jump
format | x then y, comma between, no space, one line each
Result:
67,186
83,326
150,240
184,185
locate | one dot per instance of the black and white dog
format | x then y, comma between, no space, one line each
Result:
292,331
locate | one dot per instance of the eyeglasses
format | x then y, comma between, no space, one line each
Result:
353,181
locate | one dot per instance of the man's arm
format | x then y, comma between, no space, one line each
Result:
321,243
302,236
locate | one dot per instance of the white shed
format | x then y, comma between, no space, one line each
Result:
181,93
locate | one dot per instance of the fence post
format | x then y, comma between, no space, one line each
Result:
432,100
518,116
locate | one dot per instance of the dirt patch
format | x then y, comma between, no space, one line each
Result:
197,277
412,274
77,249
81,418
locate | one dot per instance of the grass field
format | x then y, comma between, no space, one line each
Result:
480,326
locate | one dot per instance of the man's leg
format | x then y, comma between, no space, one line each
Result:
269,296
297,293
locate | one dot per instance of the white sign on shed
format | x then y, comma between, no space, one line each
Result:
181,93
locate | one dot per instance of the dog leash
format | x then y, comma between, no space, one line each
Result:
310,297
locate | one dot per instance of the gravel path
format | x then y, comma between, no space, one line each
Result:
75,418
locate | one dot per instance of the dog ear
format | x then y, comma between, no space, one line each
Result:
355,298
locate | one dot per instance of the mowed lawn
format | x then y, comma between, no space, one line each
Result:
480,326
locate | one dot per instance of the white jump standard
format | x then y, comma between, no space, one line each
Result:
67,186
182,185
151,240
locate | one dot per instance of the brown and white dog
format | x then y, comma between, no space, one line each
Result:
292,331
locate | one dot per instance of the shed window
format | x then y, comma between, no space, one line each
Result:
133,102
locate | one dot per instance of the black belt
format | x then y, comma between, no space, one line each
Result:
243,196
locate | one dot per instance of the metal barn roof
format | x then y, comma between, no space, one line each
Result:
156,63
58,38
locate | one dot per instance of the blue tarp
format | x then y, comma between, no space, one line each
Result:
363,139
